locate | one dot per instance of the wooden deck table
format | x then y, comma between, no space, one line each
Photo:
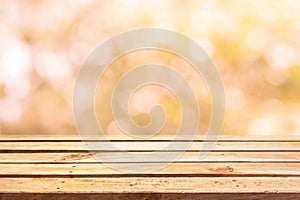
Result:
62,168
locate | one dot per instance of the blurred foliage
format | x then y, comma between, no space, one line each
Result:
255,45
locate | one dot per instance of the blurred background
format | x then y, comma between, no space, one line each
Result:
254,44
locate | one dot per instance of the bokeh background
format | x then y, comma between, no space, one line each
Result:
254,44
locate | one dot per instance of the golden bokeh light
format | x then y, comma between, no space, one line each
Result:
254,44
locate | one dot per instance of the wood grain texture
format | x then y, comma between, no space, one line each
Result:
175,169
74,137
153,184
150,196
49,168
150,146
163,157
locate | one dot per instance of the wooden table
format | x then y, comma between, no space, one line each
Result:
33,168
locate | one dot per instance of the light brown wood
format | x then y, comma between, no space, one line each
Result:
182,169
161,157
151,184
150,196
235,169
151,146
59,137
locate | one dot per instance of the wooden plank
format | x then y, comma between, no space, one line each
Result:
161,157
152,184
150,196
151,146
73,137
253,168
184,169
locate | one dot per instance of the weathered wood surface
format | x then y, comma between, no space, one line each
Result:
63,168
119,157
152,146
